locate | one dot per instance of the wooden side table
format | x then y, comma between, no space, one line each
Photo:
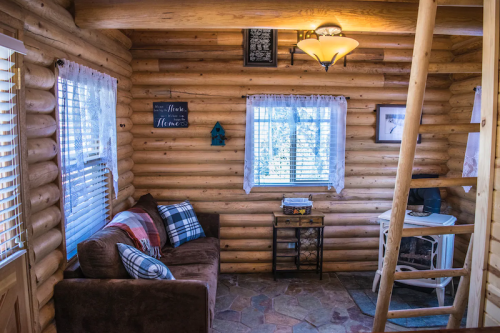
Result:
307,251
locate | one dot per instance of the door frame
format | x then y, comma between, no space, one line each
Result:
16,25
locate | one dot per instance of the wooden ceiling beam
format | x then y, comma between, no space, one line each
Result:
357,16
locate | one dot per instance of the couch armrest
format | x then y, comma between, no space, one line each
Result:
73,270
94,305
210,224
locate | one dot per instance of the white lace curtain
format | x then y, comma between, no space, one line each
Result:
472,151
89,105
320,121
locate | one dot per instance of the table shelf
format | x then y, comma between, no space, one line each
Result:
287,240
289,267
287,253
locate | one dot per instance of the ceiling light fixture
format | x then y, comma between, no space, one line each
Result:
323,45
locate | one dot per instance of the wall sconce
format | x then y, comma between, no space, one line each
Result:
323,44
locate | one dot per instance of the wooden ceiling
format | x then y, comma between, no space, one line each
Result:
361,16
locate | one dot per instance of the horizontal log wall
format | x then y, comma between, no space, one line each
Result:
462,204
206,70
50,34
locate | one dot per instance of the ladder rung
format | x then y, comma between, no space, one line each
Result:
428,231
443,182
449,129
440,310
433,274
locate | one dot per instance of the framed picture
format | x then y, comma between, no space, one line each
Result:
260,48
390,121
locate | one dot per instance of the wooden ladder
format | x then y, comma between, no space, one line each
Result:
404,182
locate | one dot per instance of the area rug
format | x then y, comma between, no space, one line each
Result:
359,286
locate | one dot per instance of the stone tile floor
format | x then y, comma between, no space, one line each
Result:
294,303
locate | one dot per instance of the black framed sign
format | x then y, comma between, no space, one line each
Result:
170,114
260,48
390,122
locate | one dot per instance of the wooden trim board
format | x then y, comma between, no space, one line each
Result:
484,196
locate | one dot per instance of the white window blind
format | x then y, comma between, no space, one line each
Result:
291,151
295,141
84,180
11,224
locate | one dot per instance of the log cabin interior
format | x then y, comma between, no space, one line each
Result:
151,152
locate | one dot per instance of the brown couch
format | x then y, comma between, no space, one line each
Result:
97,294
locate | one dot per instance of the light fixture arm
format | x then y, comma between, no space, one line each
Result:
306,34
292,52
326,64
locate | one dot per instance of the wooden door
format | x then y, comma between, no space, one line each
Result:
14,309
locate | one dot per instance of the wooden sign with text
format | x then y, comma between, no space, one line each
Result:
170,114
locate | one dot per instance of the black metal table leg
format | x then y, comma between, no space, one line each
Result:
318,230
322,232
275,232
297,230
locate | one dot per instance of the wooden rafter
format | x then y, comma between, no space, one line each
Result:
374,16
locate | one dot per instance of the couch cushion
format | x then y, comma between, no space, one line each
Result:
196,260
199,251
150,206
99,257
203,272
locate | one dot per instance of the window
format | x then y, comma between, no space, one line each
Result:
295,141
11,224
86,104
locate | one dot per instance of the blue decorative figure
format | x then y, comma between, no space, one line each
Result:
218,135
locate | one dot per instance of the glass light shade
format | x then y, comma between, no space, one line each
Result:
328,49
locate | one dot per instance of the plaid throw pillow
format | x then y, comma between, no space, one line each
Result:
181,223
142,266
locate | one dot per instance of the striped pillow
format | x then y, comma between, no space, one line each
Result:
142,266
181,223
